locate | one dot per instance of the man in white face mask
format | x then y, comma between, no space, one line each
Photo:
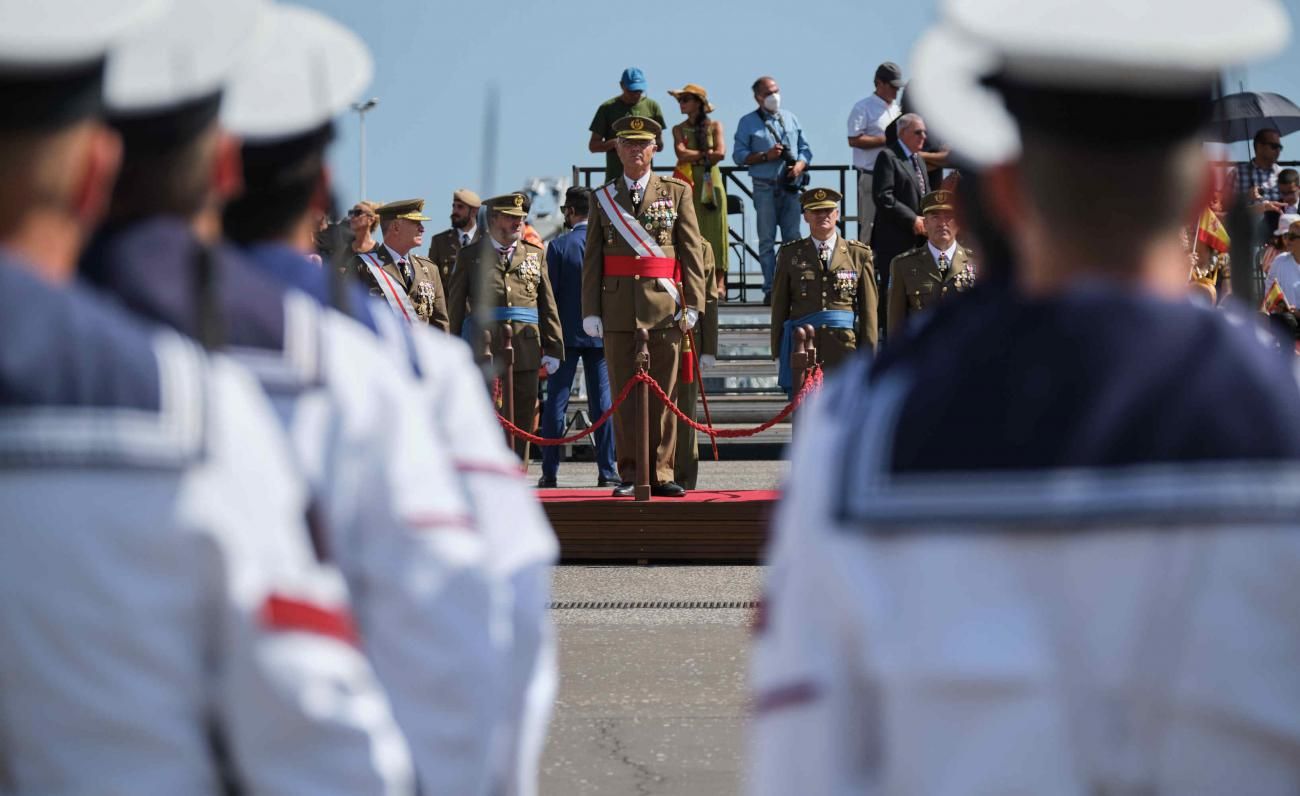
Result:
770,143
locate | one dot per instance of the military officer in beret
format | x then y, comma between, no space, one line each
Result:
827,281
464,230
923,276
409,283
508,275
643,268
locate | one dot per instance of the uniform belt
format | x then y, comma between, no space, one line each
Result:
647,267
833,319
521,314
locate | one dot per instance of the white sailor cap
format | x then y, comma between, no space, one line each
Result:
182,60
1120,72
307,70
52,56
948,91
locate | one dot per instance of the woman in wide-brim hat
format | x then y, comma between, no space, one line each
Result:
700,146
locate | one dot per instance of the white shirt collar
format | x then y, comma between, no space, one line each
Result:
951,252
397,258
641,183
496,244
829,243
462,233
907,152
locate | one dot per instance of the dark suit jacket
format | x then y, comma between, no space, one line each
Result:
564,261
898,201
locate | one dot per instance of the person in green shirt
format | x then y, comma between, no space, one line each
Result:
632,102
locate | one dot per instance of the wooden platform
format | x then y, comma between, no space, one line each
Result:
703,526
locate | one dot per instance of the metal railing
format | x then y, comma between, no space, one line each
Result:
740,195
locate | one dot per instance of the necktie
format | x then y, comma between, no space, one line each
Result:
920,173
636,197
464,239
504,255
407,273
943,264
824,252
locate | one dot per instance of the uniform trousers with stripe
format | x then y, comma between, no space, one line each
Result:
620,355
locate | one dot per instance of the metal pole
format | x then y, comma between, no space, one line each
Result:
362,108
364,193
641,491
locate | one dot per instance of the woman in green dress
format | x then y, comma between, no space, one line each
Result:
699,145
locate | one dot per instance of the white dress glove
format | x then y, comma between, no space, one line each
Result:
707,360
592,326
689,318
551,364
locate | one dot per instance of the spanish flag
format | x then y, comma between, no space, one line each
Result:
1274,299
1210,231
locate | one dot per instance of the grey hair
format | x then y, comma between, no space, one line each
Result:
907,121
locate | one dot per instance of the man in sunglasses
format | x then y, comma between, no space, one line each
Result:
1257,178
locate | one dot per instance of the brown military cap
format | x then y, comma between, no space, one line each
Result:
410,209
936,200
467,197
637,128
820,198
511,204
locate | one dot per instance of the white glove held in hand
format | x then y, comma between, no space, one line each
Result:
689,318
592,326
708,360
551,364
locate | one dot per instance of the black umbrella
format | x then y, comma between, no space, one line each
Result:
1237,117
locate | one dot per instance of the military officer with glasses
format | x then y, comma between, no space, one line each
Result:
409,283
507,276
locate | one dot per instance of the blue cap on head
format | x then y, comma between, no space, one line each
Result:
633,79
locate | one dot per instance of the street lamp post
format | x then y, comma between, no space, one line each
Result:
362,108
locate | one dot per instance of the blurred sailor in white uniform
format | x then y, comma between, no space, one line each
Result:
1056,553
390,510
281,104
168,628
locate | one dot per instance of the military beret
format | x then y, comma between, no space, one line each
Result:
637,128
820,199
510,204
410,209
936,200
467,197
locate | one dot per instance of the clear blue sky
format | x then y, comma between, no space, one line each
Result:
553,62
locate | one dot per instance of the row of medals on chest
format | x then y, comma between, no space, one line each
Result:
657,217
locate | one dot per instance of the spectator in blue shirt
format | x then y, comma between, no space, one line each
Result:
564,266
770,143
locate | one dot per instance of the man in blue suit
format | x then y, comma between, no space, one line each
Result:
564,262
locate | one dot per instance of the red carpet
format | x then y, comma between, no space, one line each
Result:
694,496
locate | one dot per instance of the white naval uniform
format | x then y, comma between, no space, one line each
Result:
393,517
167,628
402,532
522,546
1133,657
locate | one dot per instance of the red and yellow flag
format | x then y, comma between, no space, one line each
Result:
1274,299
1210,231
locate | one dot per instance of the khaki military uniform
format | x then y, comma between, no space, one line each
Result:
425,290
628,303
804,285
445,247
521,282
915,282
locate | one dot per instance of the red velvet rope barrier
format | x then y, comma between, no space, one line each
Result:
811,384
